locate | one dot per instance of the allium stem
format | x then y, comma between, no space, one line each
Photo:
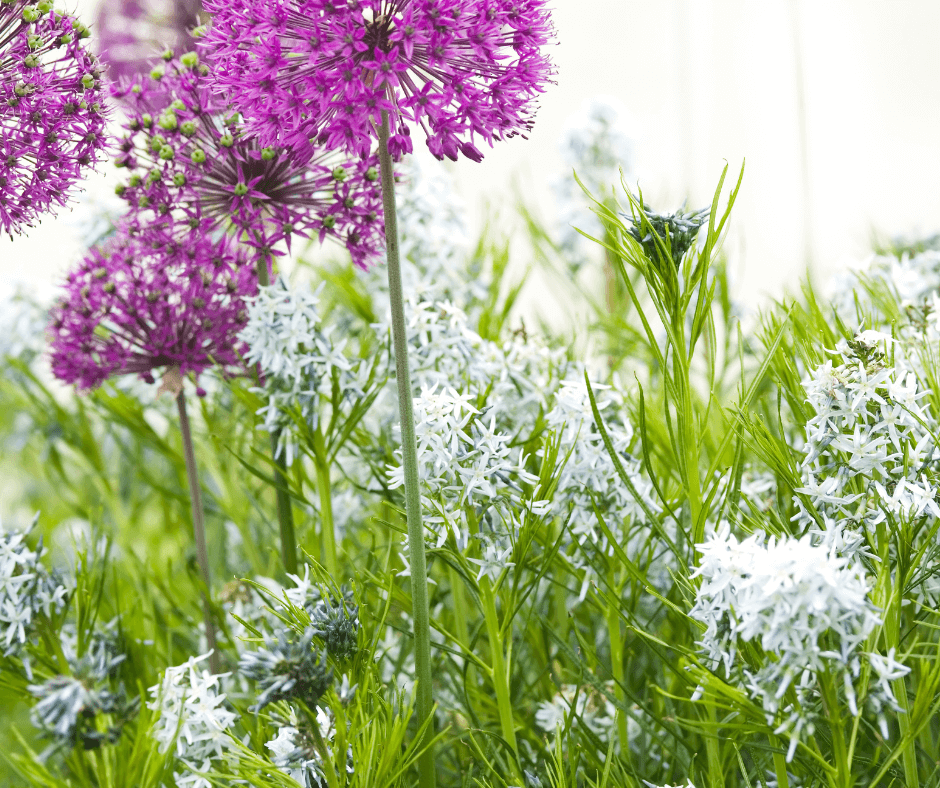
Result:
285,514
330,560
199,529
409,449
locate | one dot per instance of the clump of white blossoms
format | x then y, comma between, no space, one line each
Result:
589,476
800,602
192,720
302,365
869,448
294,752
27,590
472,480
596,145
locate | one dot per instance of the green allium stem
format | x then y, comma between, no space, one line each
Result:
285,514
409,449
199,529
330,560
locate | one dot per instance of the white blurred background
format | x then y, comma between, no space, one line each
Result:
835,105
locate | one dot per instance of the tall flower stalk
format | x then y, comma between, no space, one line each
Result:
409,447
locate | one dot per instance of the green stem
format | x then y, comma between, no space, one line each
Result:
500,668
199,529
612,614
780,769
834,713
325,757
285,514
409,450
326,514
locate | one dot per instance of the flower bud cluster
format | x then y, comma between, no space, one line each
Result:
193,169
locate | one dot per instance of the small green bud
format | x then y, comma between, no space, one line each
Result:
287,229
188,127
88,81
227,140
372,174
241,189
137,90
146,120
197,156
143,201
178,105
179,179
167,54
158,73
44,6
339,174
65,39
108,287
349,202
268,153
329,222
135,181
197,32
166,152
190,59
31,14
167,121
33,42
31,61
120,189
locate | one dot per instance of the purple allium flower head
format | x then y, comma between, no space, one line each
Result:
129,308
324,70
194,170
128,31
51,116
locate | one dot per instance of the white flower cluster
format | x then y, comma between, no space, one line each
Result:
193,719
468,470
596,146
798,601
869,449
27,589
294,753
300,361
912,279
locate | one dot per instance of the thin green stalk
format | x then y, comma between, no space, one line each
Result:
500,668
780,769
331,778
615,634
285,514
199,529
830,697
328,535
409,450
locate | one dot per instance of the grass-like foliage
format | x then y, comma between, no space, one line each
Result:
678,545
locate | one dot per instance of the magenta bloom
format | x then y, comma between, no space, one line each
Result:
51,116
193,169
323,70
131,309
129,31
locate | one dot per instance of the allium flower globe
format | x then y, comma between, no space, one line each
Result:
131,309
324,70
51,116
193,170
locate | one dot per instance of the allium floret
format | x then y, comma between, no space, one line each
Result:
193,168
323,70
132,309
52,119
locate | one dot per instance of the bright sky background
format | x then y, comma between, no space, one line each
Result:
835,104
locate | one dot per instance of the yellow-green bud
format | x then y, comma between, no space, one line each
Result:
167,54
158,73
120,189
268,153
178,105
329,222
339,174
146,120
372,174
197,156
167,121
31,14
190,59
179,179
143,201
188,127
227,140
166,152
33,41
88,81
135,180
31,61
